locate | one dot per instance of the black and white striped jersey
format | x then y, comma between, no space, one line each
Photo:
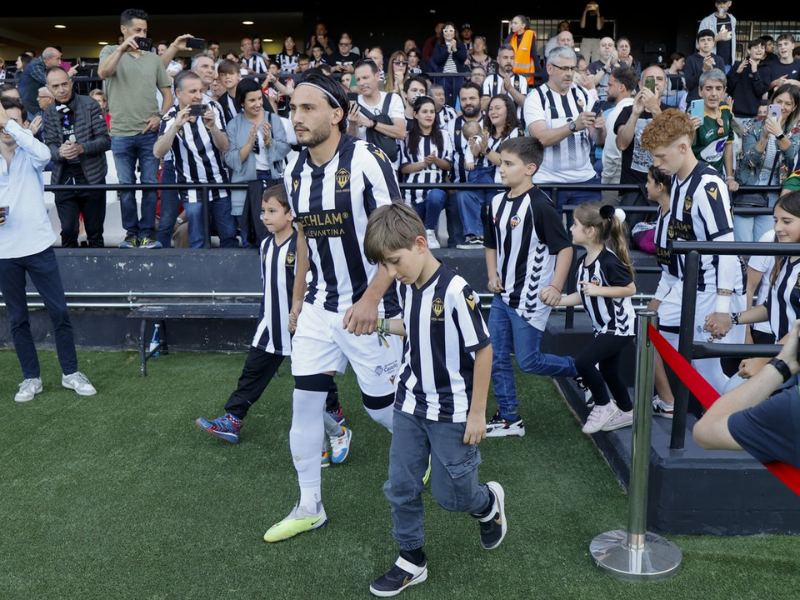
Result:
230,108
494,146
255,63
444,329
609,315
700,209
527,234
278,264
196,158
569,161
447,118
431,173
783,301
287,62
332,203
666,260
493,86
459,172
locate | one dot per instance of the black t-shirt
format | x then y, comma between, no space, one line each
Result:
724,48
777,70
337,59
635,160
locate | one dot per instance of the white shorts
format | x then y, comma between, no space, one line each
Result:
322,345
669,314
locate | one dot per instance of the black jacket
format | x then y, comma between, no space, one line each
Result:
91,132
692,71
747,88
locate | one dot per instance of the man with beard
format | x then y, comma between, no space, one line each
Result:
471,203
505,81
333,184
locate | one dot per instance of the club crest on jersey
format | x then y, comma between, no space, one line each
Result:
378,370
379,153
290,258
438,307
471,301
514,221
712,190
295,184
581,103
687,203
342,177
595,280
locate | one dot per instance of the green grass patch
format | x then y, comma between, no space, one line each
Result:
121,496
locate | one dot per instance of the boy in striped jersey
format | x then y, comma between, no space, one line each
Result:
272,341
528,255
440,404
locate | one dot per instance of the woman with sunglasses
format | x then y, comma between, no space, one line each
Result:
450,56
396,73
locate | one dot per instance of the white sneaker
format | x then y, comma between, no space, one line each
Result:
340,446
619,420
28,389
433,241
661,408
77,381
599,416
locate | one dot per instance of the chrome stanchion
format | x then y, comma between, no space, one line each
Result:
636,554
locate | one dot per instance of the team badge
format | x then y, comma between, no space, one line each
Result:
342,177
471,301
378,370
438,307
379,153
670,233
295,184
290,258
712,190
687,203
391,379
595,280
514,221
581,103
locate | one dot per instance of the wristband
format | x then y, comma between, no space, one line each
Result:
380,329
782,368
729,178
735,318
555,288
723,304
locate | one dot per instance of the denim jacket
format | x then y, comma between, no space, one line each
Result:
752,161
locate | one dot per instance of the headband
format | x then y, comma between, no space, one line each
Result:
321,89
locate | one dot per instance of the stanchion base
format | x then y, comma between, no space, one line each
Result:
658,559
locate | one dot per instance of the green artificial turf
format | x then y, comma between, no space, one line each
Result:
121,496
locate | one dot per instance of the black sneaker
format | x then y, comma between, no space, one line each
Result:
500,427
399,577
471,242
494,526
130,242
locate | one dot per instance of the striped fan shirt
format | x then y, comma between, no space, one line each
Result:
196,158
447,118
609,315
278,264
444,328
230,108
332,203
287,62
494,146
493,86
431,173
783,301
527,234
459,172
569,161
255,63
700,209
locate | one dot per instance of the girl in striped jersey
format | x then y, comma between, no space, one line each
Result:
272,341
782,307
605,284
425,157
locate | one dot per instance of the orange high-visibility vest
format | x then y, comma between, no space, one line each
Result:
523,61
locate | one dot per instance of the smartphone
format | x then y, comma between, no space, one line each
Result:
774,112
196,43
697,109
650,84
144,43
197,110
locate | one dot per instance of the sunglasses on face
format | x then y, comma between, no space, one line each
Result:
400,62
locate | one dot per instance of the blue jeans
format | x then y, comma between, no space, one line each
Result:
127,152
170,206
454,474
472,203
42,268
455,229
577,196
220,210
430,208
511,333
751,228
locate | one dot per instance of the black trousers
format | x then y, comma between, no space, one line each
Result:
70,205
259,369
605,349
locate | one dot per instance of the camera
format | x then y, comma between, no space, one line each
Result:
144,43
197,110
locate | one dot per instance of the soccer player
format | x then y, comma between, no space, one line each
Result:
334,184
440,405
272,341
700,210
528,255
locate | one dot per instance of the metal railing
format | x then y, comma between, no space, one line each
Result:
690,349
